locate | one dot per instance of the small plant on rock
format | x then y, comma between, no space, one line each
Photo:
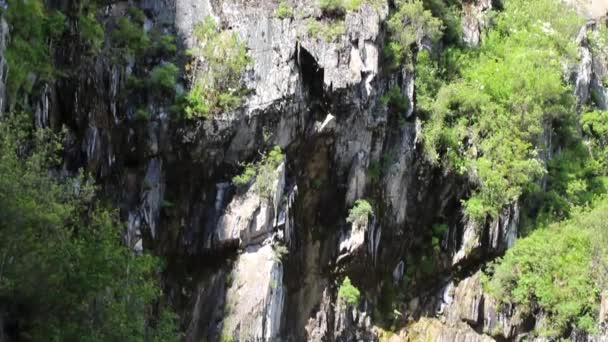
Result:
264,173
219,62
348,292
284,11
359,213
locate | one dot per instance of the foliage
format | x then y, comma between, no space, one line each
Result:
395,100
163,77
129,39
428,81
90,29
264,173
448,11
27,51
486,124
332,7
348,292
284,11
560,269
339,7
245,177
359,213
61,255
377,167
163,44
220,60
329,31
407,27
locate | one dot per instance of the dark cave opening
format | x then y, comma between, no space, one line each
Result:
312,75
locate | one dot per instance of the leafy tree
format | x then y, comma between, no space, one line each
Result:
61,256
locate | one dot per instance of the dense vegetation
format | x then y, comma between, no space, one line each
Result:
485,122
560,269
63,264
486,112
65,272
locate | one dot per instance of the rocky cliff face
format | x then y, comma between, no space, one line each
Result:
244,266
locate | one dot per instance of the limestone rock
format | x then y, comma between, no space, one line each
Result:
254,300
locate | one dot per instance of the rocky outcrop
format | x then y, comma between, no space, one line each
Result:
592,70
254,300
339,322
474,20
490,238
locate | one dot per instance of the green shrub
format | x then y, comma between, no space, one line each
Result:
91,31
396,100
130,38
220,60
163,44
264,173
246,177
142,114
339,7
332,7
163,77
559,269
329,31
55,24
348,292
352,5
448,11
359,213
428,81
284,11
407,27
27,50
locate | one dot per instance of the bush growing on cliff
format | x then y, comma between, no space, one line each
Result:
90,29
219,62
407,27
62,259
348,292
264,173
395,100
163,77
27,50
359,213
559,269
329,31
284,11
485,124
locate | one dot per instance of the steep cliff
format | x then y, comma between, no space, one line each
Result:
325,119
